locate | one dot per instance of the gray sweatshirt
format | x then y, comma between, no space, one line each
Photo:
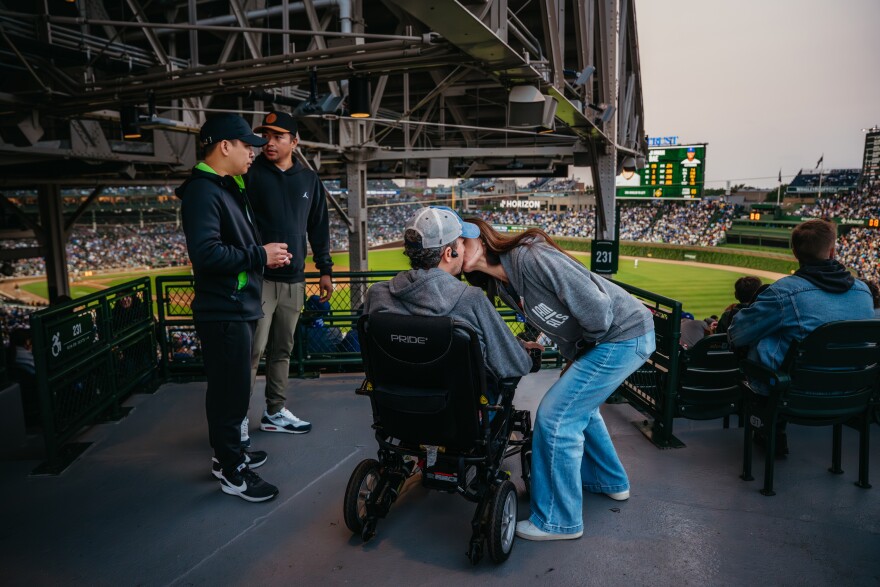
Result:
566,301
434,292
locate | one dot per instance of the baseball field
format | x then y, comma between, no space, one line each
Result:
703,290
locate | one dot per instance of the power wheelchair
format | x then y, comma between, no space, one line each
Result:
427,385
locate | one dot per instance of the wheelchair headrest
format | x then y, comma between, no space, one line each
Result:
412,339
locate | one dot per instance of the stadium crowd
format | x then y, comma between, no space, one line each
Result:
858,247
688,223
112,247
860,204
693,223
13,316
701,223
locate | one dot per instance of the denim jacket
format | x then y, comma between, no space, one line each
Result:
789,310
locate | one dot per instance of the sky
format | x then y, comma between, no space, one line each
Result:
768,84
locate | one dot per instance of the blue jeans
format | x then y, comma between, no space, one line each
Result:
571,448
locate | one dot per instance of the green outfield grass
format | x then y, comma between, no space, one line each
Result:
41,288
702,291
383,260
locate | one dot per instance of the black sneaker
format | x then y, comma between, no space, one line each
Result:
247,485
253,459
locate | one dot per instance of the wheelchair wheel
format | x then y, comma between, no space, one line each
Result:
502,522
361,484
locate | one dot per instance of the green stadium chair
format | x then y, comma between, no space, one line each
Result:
709,382
828,379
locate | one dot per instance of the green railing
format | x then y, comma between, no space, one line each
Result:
181,349
653,387
325,341
90,354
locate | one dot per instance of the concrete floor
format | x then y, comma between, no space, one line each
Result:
140,507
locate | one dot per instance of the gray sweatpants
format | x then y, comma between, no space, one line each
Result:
282,304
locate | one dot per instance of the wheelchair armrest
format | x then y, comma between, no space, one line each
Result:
776,381
508,385
505,389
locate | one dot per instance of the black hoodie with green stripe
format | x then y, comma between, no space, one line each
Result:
223,245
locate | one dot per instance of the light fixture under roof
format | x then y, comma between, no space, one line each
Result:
128,120
528,108
359,97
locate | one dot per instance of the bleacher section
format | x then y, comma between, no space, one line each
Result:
813,181
114,244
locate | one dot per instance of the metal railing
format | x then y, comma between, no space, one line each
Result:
89,355
181,348
323,340
652,388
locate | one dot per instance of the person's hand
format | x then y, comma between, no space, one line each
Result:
277,255
535,355
530,345
325,287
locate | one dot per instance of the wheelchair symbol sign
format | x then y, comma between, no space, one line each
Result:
56,344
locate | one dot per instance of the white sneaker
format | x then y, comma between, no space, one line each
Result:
284,421
245,438
525,529
620,496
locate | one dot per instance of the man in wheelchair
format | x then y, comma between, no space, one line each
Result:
432,347
434,243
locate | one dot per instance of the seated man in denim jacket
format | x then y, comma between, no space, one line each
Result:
821,291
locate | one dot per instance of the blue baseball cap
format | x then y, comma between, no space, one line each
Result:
440,225
691,150
468,230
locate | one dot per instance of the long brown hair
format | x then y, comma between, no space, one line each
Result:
497,243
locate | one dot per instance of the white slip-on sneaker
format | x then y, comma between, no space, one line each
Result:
528,531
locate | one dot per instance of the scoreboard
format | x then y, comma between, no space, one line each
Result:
871,160
676,172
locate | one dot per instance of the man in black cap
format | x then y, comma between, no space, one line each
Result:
227,260
290,205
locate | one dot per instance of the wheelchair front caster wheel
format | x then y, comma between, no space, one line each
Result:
475,552
369,530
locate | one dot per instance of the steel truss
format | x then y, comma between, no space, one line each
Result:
440,73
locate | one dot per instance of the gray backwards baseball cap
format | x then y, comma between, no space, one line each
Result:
440,225
229,127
